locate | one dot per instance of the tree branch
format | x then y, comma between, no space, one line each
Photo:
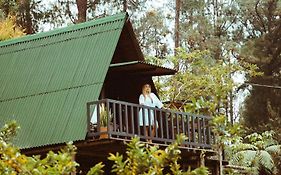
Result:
259,16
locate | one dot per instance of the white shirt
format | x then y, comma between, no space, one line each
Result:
150,100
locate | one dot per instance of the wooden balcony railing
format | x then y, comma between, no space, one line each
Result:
124,123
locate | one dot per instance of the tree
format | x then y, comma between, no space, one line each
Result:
8,7
177,25
82,10
9,29
152,33
205,81
29,13
203,84
212,26
61,12
260,23
25,19
226,135
13,162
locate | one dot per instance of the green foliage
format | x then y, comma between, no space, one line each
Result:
256,152
262,47
96,170
9,131
9,29
205,81
210,25
141,159
152,32
8,7
151,160
105,116
12,162
226,133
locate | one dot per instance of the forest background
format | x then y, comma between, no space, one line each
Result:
212,44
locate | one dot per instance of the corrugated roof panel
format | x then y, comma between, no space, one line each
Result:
60,115
46,79
53,67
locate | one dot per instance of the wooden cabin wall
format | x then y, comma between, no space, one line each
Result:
125,87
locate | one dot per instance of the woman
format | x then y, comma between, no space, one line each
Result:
148,98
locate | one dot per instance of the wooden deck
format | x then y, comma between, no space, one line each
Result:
124,124
97,150
92,151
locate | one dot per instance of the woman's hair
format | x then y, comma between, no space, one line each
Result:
144,86
143,91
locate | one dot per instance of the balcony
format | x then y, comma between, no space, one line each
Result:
124,124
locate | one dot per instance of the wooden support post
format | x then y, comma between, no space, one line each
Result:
202,158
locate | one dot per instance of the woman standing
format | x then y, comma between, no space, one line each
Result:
146,116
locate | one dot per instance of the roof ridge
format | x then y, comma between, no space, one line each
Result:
51,43
63,30
140,61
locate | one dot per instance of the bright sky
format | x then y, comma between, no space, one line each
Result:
150,5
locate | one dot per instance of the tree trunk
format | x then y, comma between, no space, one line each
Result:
25,15
6,9
220,160
125,5
82,10
231,112
177,25
28,19
202,159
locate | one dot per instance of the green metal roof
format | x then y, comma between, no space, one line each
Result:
46,79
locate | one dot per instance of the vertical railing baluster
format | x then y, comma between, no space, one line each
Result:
161,124
120,118
108,118
204,131
126,118
178,125
138,120
98,117
155,123
108,113
182,124
132,120
209,132
199,129
188,128
144,124
114,116
149,134
172,123
193,129
167,127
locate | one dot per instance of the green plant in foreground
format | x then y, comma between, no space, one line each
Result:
257,152
140,159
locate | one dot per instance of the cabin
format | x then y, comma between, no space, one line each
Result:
82,83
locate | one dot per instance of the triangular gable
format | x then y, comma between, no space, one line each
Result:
47,79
